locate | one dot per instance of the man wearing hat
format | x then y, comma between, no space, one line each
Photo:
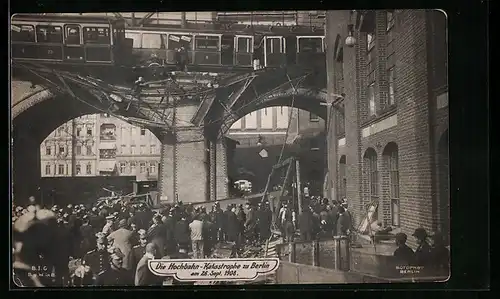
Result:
108,227
87,236
115,275
440,255
403,254
251,223
219,222
265,217
170,243
138,251
98,258
157,234
122,238
33,238
423,251
182,233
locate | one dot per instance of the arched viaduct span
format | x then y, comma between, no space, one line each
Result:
194,162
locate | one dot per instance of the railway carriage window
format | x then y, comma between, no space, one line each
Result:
72,34
175,41
136,37
151,41
310,45
273,45
22,33
49,34
244,45
96,35
207,43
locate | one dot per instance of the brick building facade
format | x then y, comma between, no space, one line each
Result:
392,124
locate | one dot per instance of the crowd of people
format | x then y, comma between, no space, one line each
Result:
113,239
108,243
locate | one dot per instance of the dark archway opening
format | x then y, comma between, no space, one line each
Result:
305,140
28,131
444,195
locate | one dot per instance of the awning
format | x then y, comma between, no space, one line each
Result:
107,145
107,166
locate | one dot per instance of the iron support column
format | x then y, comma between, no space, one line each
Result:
332,142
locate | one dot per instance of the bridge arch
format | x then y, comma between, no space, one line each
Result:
302,98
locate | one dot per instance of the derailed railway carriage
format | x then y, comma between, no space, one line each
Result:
68,40
236,50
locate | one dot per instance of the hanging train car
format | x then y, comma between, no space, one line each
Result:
212,49
69,40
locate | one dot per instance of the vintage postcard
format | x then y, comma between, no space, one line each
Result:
198,148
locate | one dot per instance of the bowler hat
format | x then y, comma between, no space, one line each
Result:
420,233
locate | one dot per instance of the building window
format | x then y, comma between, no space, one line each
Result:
89,131
394,182
132,149
152,167
132,167
89,168
123,149
373,177
108,132
439,45
133,132
370,70
342,179
78,150
371,99
341,119
61,150
78,168
391,79
371,172
152,149
143,167
313,117
78,131
143,149
89,150
143,132
391,59
122,167
47,169
107,153
67,169
48,150
60,169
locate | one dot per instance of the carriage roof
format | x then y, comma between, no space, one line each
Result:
66,19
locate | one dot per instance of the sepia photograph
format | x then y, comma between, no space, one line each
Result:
229,148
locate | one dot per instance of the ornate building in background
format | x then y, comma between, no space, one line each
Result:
100,145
